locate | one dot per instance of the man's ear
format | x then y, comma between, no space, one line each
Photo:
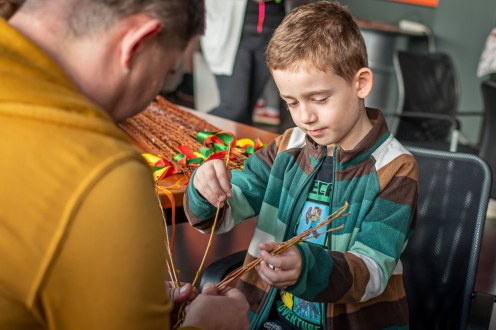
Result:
135,36
364,80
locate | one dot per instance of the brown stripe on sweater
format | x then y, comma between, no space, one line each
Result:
378,129
283,140
269,153
340,279
394,291
378,316
403,165
252,277
199,223
255,296
361,276
402,190
357,170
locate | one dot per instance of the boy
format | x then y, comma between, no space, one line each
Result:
340,151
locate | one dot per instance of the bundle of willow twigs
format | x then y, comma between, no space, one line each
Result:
163,126
182,313
307,234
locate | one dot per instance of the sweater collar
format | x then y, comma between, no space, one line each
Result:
365,146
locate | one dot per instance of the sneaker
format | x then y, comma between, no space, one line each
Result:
263,114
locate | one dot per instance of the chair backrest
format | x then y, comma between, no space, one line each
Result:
440,260
488,148
427,83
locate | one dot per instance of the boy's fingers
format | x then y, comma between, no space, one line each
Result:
207,193
212,180
269,246
223,175
274,261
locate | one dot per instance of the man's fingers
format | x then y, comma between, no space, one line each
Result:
181,294
210,289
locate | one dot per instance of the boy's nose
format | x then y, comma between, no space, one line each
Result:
307,115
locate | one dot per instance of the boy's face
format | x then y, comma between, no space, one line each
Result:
325,106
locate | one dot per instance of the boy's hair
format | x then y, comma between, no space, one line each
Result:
181,19
8,8
321,35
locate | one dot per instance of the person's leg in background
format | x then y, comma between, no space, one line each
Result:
260,75
240,91
234,89
185,89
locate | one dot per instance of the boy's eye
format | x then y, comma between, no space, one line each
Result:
321,101
291,104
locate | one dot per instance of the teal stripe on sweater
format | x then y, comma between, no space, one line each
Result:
318,265
270,223
382,259
275,184
253,186
240,207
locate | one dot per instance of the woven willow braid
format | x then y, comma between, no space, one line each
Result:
163,126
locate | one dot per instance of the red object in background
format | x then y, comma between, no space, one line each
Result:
426,3
261,16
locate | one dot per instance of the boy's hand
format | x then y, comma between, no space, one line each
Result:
286,265
213,182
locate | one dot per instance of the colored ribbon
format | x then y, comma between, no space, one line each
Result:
161,167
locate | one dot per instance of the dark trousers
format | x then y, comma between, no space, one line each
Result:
240,91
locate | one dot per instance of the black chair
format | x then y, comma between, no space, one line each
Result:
488,147
440,260
427,101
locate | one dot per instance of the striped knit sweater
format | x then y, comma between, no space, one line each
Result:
360,277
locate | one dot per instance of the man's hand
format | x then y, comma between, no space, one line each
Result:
213,182
181,294
286,266
218,310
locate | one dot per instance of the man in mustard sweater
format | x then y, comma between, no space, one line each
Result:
81,234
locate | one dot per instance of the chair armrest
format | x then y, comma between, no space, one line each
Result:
480,311
219,269
455,124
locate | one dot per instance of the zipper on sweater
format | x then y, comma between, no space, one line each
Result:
329,246
256,324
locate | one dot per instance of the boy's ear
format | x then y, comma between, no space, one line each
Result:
364,80
135,37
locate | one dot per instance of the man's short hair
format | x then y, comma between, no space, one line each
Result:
181,19
320,35
8,8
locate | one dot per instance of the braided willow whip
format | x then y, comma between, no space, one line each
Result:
163,126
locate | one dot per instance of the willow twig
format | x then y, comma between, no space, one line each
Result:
283,246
